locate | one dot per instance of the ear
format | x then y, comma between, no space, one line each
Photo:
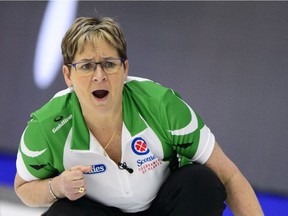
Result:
126,69
67,76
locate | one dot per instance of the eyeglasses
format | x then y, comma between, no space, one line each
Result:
109,66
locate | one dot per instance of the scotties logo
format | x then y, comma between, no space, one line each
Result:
139,146
97,168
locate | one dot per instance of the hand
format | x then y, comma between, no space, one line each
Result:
72,183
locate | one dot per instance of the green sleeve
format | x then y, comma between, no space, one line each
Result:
35,152
181,123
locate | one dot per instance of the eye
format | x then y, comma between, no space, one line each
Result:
88,66
108,64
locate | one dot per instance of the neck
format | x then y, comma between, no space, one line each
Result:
104,122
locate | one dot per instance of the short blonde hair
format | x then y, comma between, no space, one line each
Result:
86,29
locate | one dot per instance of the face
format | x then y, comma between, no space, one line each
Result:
100,91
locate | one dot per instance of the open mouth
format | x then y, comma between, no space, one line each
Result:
100,93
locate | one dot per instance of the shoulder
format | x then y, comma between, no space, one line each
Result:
60,102
144,87
57,111
156,101
49,119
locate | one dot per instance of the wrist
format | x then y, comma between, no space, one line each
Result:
51,191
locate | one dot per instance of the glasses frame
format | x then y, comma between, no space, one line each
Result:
122,60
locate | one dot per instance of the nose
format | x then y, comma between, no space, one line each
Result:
99,74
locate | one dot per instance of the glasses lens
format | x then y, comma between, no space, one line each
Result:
86,67
111,66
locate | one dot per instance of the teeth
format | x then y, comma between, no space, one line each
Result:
100,93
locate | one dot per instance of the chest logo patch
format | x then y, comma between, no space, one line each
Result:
139,146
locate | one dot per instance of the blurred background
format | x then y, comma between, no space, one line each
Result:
228,60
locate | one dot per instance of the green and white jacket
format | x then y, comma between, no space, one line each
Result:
160,132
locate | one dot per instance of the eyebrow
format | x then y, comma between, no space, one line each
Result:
109,58
84,60
92,59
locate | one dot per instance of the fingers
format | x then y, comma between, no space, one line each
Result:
78,171
73,182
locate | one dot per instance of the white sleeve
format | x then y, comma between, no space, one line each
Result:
205,147
22,170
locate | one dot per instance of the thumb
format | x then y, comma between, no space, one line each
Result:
81,168
86,168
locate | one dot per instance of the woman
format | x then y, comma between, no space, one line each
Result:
111,144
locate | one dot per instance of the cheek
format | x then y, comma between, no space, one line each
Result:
80,81
81,85
122,80
117,87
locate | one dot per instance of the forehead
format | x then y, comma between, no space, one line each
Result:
95,48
